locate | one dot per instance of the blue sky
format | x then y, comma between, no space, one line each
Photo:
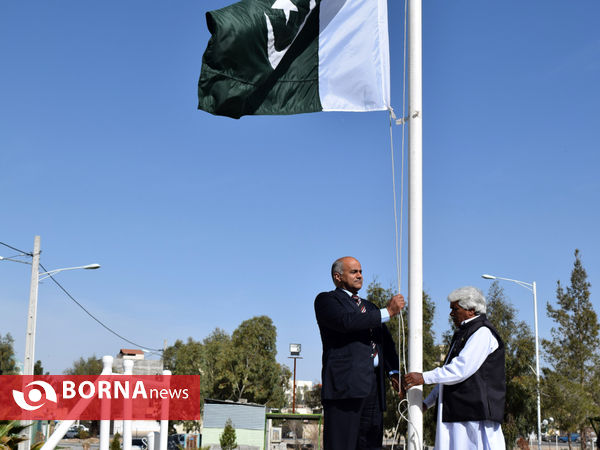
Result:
202,222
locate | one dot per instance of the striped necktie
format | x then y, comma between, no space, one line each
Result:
363,310
358,301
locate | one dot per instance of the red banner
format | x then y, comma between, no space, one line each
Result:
104,397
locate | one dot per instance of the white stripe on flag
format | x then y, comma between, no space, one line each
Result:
354,61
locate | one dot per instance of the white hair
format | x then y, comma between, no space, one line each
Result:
469,297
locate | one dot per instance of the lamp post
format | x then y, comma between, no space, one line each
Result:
36,277
532,288
547,422
295,354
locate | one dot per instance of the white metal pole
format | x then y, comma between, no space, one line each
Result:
537,365
107,361
164,424
415,228
127,370
150,438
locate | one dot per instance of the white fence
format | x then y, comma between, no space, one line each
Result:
64,425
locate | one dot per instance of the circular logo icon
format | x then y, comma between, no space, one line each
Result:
31,402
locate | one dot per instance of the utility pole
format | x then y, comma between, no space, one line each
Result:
32,313
30,337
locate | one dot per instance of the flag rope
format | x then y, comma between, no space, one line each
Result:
398,230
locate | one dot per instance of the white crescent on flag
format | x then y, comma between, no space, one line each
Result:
274,55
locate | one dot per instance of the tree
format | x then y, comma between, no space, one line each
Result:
184,358
573,354
312,397
90,366
251,367
227,439
195,358
216,346
8,363
380,296
38,369
520,411
11,434
115,444
236,367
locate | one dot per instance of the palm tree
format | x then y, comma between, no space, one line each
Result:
11,434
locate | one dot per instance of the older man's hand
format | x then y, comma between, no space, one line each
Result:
396,305
413,379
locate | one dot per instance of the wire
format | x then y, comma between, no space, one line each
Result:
17,250
23,253
98,320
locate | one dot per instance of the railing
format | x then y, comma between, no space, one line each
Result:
64,425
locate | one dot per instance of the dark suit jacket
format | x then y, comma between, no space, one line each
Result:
346,337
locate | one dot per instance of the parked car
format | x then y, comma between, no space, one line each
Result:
75,430
72,432
574,438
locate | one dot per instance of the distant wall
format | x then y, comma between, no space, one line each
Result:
253,439
140,366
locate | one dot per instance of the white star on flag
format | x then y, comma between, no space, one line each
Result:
286,6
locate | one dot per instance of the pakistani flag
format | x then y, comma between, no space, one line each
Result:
296,56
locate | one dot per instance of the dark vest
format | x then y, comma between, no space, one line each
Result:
482,395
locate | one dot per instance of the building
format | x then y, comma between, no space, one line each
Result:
302,387
248,420
141,366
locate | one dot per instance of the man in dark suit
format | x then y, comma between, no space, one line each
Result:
358,354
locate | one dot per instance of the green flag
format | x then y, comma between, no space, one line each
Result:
296,56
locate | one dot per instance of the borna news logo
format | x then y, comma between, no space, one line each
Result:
103,397
35,396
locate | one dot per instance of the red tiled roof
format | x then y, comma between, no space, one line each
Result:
129,351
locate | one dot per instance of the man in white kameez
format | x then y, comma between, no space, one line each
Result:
471,387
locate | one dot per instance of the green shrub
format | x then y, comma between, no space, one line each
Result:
227,439
83,434
116,442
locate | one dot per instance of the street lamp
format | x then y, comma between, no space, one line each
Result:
44,275
532,288
295,354
547,422
36,277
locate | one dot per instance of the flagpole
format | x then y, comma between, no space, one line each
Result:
415,223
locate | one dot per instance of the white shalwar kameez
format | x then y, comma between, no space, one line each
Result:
473,435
